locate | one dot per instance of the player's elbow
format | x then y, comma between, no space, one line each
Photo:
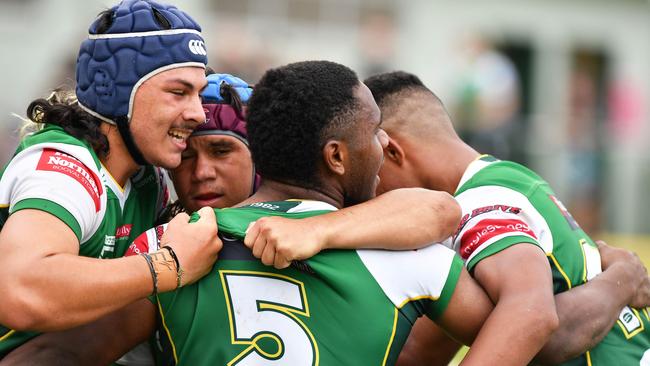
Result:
440,209
20,315
446,211
544,321
20,309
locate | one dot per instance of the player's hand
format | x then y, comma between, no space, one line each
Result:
277,241
196,244
636,273
642,297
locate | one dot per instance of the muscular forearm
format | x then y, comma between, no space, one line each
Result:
66,290
506,341
586,314
47,286
401,219
518,279
98,343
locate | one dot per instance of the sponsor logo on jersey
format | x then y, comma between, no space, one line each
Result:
123,231
567,215
109,246
630,322
487,229
139,245
483,210
57,161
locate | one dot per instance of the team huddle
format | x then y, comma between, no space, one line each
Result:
320,220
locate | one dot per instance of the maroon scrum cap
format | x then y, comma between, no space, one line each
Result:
224,119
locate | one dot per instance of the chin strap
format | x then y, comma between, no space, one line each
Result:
123,126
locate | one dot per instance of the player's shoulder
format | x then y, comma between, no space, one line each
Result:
485,173
54,145
408,274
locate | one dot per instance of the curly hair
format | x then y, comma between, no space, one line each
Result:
61,109
294,109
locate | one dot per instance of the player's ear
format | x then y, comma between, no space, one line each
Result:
394,152
335,156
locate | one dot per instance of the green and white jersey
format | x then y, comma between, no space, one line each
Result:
59,174
341,307
503,204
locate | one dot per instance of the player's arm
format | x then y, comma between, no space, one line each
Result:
47,286
428,344
405,218
98,343
468,309
518,280
588,312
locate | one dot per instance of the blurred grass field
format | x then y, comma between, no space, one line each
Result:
636,243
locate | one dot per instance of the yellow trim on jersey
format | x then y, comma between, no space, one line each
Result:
169,334
119,186
588,356
2,205
392,337
645,312
403,304
582,242
4,337
253,343
559,268
637,330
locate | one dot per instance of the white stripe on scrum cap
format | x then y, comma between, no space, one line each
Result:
165,32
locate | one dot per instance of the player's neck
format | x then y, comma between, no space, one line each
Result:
118,161
448,164
271,190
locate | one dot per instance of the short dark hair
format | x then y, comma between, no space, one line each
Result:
386,84
292,112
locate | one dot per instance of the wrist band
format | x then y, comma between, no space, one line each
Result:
154,275
179,270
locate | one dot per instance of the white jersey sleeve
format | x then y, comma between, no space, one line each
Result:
495,217
429,273
60,179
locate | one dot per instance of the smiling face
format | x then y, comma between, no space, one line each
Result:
215,171
166,109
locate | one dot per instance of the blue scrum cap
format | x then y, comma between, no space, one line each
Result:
143,39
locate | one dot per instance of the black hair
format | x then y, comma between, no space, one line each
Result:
62,109
292,111
105,19
383,85
229,94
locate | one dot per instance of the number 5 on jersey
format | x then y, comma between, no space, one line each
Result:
263,310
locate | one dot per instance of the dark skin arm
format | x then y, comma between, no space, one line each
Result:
98,343
467,310
518,280
586,314
428,345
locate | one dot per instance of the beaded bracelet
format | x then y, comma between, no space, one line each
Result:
154,275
